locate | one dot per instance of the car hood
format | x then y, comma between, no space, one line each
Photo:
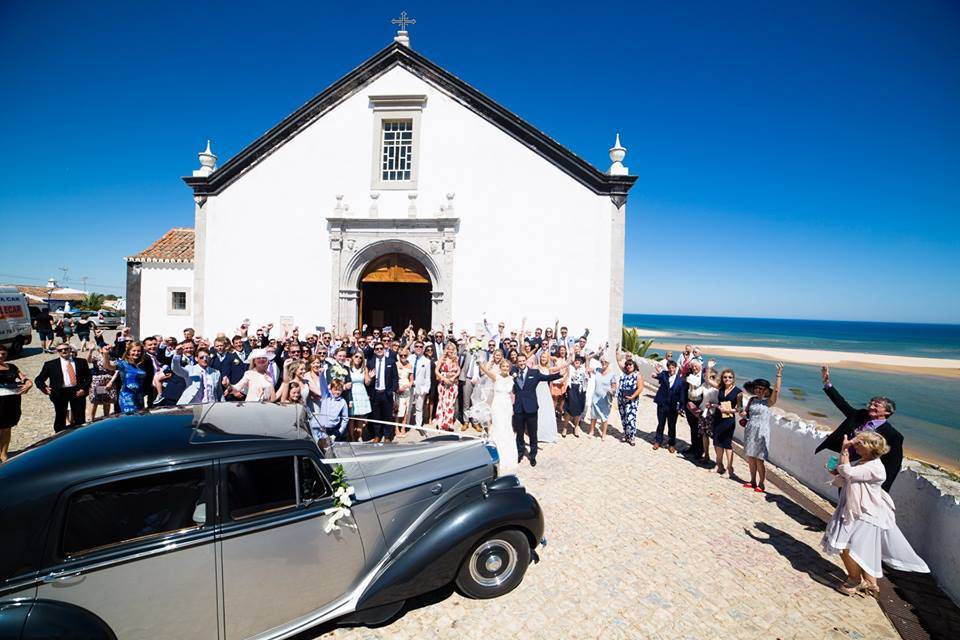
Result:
397,466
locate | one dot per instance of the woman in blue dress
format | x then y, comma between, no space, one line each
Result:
756,431
603,390
725,419
628,392
359,400
132,377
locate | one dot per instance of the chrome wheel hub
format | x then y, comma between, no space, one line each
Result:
493,563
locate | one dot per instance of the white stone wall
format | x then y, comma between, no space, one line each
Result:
927,514
155,281
266,245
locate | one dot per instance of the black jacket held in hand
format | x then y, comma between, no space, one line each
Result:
855,418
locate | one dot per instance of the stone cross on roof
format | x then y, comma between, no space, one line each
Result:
403,21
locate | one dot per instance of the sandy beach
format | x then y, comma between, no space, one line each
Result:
940,367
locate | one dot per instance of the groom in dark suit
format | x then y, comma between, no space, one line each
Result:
525,406
383,384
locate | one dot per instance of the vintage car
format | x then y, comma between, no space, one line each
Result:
209,521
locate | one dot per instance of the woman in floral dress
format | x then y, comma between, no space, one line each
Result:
448,372
628,390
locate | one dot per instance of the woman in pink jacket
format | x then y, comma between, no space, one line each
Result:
863,530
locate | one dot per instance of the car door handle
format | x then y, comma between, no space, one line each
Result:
62,577
436,489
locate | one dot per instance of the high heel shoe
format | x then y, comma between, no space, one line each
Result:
846,589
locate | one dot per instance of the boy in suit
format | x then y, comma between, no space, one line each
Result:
69,380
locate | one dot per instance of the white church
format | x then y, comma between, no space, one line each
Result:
404,194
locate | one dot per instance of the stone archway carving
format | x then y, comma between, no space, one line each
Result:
355,242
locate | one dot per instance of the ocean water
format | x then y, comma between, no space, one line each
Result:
928,408
895,338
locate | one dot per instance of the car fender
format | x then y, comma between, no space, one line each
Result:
431,555
48,619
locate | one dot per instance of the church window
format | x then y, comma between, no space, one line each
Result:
396,161
397,123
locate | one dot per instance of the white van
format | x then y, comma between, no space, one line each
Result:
15,329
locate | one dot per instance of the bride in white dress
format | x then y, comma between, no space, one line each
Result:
501,426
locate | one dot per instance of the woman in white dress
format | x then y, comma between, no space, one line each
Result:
546,418
482,396
501,426
863,529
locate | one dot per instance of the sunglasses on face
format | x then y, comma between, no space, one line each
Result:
203,357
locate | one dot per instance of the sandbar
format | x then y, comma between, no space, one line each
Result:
939,367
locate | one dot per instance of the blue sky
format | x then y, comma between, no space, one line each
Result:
795,159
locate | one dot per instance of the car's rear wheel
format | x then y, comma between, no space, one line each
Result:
16,346
495,566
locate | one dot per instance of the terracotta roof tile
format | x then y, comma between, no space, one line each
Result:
175,245
43,292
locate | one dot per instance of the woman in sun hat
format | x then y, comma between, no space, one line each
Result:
756,428
256,382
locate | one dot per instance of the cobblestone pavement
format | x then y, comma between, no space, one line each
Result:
641,544
644,544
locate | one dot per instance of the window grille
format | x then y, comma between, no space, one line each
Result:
396,160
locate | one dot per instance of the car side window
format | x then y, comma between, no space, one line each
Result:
312,485
260,486
133,509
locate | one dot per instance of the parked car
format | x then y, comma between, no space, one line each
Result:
208,521
107,319
15,328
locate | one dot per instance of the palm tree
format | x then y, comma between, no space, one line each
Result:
632,343
93,301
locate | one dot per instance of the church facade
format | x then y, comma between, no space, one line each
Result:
399,194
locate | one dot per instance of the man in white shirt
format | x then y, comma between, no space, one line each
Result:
69,380
421,381
203,380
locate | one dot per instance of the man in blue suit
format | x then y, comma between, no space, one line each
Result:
234,365
669,400
525,406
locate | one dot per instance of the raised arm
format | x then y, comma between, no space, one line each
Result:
834,395
487,371
177,366
107,362
775,393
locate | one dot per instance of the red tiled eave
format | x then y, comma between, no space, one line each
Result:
175,245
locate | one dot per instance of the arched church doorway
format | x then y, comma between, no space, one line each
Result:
395,291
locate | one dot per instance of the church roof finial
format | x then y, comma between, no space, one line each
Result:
617,153
403,21
208,162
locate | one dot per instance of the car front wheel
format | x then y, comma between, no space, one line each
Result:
495,566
